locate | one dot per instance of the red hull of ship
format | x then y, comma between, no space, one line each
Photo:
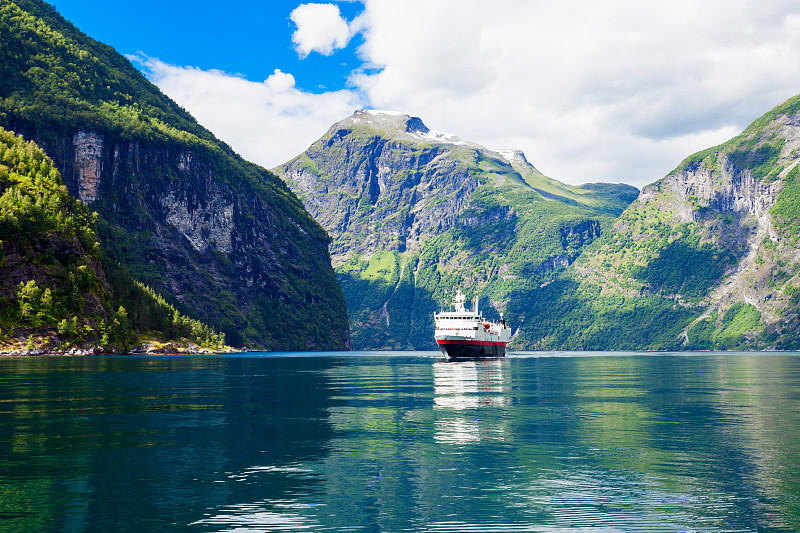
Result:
464,349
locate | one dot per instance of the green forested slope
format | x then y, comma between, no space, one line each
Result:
55,293
220,238
55,76
706,258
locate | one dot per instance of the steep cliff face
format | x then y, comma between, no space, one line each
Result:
215,245
717,239
88,164
415,213
376,193
731,208
222,238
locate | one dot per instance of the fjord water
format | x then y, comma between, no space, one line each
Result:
393,441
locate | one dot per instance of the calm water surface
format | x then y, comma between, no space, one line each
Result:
399,441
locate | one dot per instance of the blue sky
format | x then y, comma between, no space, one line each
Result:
619,90
248,38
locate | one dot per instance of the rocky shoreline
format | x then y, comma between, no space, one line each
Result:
22,346
98,352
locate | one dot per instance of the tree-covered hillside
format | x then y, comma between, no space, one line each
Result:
221,239
55,294
54,76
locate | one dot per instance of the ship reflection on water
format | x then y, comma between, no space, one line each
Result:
464,386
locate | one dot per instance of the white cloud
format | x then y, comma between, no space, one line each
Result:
266,122
620,90
320,28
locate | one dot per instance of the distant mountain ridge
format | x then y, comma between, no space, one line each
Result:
706,258
221,238
718,239
415,213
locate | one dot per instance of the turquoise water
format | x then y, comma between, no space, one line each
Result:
399,441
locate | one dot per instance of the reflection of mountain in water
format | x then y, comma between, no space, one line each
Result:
463,386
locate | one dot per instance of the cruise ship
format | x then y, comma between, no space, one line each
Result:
464,334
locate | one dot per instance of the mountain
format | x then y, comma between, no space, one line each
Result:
55,294
413,214
706,258
223,240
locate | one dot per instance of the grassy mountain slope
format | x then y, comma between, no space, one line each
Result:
706,258
222,239
414,214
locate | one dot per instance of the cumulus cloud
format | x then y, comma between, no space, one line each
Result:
619,90
320,28
266,122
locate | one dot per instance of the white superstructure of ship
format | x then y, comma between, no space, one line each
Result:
466,334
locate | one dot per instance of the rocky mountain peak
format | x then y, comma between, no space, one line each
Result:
391,121
514,156
398,126
413,213
517,159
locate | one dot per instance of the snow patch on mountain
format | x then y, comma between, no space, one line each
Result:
439,137
512,155
404,126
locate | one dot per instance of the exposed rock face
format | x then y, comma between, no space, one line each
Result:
727,190
88,149
413,212
365,207
748,200
209,243
178,209
718,203
208,226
